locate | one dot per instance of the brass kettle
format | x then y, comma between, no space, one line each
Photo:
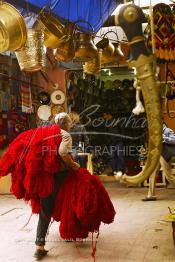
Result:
117,56
66,51
108,49
86,49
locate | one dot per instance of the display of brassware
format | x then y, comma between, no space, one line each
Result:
54,32
50,32
85,49
66,51
13,32
31,57
93,66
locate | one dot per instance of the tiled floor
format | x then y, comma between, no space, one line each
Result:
139,232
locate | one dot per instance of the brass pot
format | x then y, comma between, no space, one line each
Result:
93,66
86,50
117,52
31,57
54,31
108,49
66,51
116,57
13,32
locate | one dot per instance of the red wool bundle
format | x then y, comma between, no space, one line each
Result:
82,202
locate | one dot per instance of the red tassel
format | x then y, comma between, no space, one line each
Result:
94,246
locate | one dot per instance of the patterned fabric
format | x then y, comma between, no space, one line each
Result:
164,32
168,135
26,94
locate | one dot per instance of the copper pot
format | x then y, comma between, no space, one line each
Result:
86,49
54,31
13,32
66,51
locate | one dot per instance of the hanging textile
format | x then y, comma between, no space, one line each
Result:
26,96
164,32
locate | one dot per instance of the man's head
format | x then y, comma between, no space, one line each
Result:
64,121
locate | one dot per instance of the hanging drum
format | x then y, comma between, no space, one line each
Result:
58,97
13,32
31,57
44,112
56,109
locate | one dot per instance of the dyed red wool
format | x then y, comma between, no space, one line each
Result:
82,202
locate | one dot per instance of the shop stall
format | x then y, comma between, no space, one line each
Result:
62,59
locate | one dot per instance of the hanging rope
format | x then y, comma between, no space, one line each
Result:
94,246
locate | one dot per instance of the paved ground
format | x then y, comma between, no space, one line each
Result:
139,232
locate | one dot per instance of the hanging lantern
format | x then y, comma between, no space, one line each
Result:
86,49
66,51
32,56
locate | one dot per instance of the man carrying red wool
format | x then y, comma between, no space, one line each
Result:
47,204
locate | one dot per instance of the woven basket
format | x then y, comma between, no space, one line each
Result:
31,57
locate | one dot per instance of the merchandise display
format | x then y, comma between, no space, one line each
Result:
87,96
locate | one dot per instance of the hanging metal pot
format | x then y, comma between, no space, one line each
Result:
117,56
86,49
108,49
93,66
66,51
54,32
32,56
13,32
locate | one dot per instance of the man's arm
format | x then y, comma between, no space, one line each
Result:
65,149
